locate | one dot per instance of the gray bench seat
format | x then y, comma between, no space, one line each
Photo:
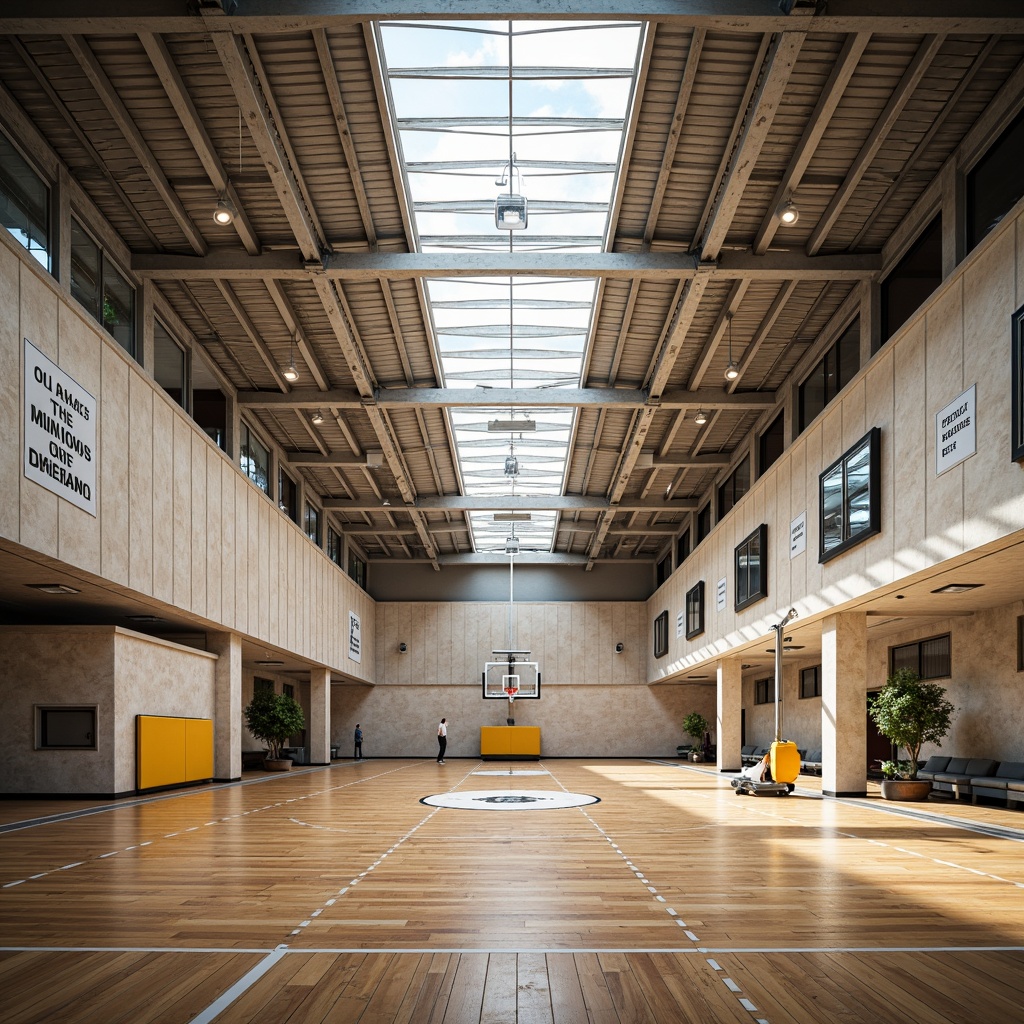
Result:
956,779
936,763
811,762
998,786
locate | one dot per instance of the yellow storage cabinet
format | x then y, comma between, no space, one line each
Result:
510,742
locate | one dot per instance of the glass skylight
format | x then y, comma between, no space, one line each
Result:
570,88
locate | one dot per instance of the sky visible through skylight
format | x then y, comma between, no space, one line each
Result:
572,84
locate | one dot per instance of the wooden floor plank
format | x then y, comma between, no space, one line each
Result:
382,913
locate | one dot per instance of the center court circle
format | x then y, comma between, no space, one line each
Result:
507,772
509,800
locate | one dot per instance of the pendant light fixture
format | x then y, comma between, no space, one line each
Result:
732,371
290,373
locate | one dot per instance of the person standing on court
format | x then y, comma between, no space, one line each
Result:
358,755
442,740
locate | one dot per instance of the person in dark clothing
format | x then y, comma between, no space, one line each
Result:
359,743
442,740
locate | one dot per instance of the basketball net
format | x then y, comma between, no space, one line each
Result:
510,692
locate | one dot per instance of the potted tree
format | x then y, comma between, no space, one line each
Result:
695,725
909,713
272,718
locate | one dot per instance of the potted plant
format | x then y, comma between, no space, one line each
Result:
695,725
272,718
909,713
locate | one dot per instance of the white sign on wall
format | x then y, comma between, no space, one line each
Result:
60,431
680,624
355,643
798,535
721,594
955,435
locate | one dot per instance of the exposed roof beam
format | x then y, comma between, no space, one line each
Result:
513,503
485,399
285,265
774,77
126,125
897,16
887,119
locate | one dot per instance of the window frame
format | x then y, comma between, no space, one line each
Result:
185,402
829,366
683,548
317,535
1017,385
289,508
661,634
42,713
107,267
919,644
727,498
246,437
49,247
335,547
769,434
764,690
816,687
930,233
849,539
695,610
702,513
744,595
356,568
973,236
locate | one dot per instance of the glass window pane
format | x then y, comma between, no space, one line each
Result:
935,658
996,183
812,395
254,460
312,524
287,496
118,307
832,509
24,203
85,269
848,355
169,364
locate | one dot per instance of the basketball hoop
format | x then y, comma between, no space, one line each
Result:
511,691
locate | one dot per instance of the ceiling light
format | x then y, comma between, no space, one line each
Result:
145,618
53,588
269,661
512,517
223,213
510,213
511,466
290,373
957,588
511,545
510,426
732,371
700,417
318,417
788,213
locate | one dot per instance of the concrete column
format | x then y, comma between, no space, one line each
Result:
319,731
844,656
728,715
227,720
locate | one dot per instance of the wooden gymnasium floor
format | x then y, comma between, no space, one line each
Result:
334,894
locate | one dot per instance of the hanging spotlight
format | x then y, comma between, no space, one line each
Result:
510,213
223,212
290,373
318,417
511,465
700,418
788,213
732,371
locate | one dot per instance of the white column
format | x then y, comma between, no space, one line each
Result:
728,715
227,700
319,731
844,656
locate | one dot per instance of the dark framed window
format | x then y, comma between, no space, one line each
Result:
661,635
663,569
912,280
311,523
695,610
254,459
1017,384
24,203
837,368
930,659
287,495
733,488
260,685
357,569
850,494
683,547
752,568
104,291
810,681
66,727
288,689
170,365
335,547
995,184
764,690
1020,643
703,522
209,403
771,444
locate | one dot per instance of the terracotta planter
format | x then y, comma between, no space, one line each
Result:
283,764
906,789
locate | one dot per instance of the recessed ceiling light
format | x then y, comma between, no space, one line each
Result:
510,426
53,588
785,647
145,618
269,661
957,588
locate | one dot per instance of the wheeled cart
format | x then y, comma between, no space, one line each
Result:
774,775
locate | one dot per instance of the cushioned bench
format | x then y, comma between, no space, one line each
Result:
958,774
747,752
935,763
755,755
998,786
811,762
